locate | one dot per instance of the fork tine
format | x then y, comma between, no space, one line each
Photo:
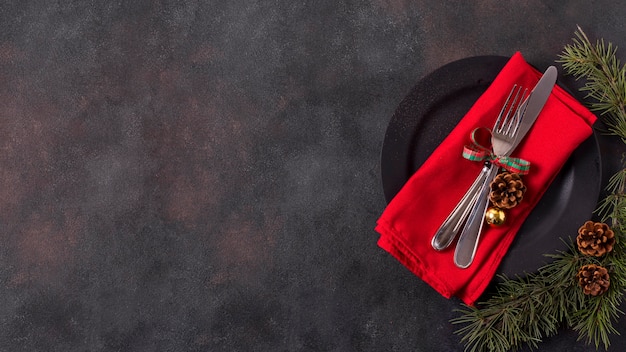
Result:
512,117
506,123
504,106
519,112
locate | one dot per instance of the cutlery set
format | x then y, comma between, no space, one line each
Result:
518,114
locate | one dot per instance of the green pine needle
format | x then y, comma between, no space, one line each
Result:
605,78
523,311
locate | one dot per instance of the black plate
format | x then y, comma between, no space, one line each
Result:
430,112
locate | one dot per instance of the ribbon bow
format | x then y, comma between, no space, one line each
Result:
477,152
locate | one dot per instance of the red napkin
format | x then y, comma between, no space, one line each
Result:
408,223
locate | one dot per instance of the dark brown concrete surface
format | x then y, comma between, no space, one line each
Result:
204,175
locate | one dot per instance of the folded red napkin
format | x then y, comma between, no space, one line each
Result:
410,220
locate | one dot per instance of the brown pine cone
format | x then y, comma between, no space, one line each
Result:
593,279
595,239
507,190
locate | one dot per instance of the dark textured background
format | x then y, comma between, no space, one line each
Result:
204,175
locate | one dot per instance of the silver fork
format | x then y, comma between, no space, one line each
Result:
503,143
506,124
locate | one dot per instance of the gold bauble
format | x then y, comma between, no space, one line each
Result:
495,216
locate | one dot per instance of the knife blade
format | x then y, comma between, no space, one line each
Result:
536,101
469,238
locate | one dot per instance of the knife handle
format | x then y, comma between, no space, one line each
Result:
452,225
468,240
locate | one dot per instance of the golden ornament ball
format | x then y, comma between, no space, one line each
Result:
495,216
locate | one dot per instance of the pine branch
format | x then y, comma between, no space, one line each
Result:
523,311
605,78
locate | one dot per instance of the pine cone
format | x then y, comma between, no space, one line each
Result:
507,190
593,279
595,239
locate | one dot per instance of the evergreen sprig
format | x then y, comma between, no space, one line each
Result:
605,78
523,311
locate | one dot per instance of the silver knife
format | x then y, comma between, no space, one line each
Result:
468,240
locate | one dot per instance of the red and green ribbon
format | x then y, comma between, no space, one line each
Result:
477,152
